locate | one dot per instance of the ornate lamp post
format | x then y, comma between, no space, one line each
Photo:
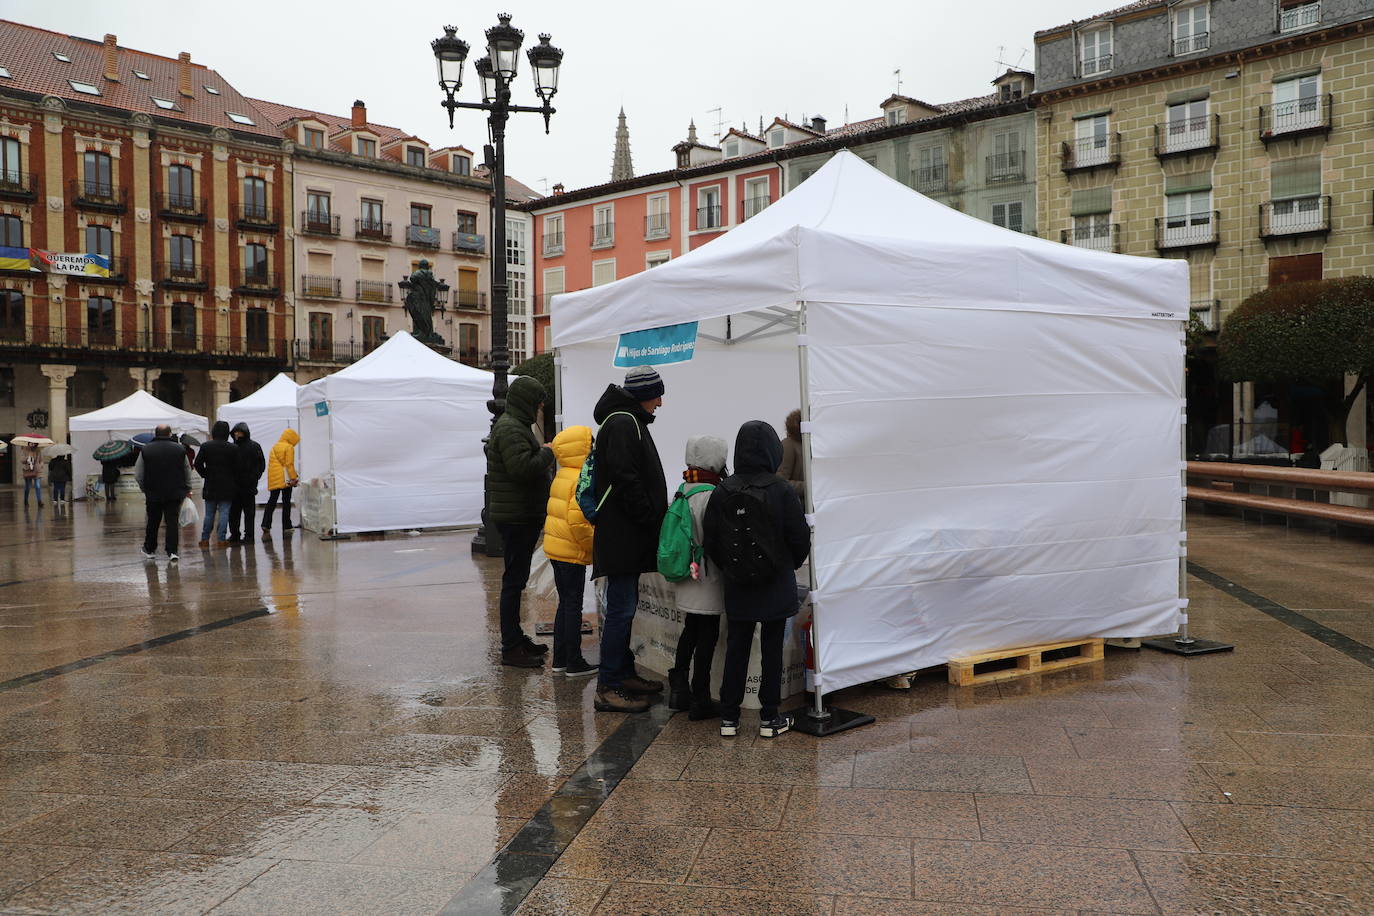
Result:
496,72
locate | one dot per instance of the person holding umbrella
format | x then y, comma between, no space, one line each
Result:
111,456
31,463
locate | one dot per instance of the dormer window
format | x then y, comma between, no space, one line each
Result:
367,148
1095,51
62,57
312,137
83,87
462,165
732,149
1299,14
896,116
415,156
1011,91
240,119
777,138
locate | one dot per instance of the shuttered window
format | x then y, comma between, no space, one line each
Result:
1290,178
1092,200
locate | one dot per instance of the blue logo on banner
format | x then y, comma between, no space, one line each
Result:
676,343
321,408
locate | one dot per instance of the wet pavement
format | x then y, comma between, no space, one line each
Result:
304,726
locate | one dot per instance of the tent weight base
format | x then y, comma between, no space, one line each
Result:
837,721
1187,647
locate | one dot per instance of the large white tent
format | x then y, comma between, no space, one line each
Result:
397,438
992,419
268,412
140,412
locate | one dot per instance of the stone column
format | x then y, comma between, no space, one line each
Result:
140,378
220,380
151,377
57,399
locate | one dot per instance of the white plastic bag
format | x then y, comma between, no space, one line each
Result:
189,514
541,582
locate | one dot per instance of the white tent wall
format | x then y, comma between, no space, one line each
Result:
267,419
312,455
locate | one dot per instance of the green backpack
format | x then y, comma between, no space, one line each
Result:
677,551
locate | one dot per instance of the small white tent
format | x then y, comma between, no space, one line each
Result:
267,411
991,420
397,438
140,412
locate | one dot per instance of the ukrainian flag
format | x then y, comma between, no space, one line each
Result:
97,265
15,259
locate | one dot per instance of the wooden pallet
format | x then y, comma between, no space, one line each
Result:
973,670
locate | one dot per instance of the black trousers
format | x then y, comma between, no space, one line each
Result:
163,512
739,640
696,647
518,552
243,509
285,494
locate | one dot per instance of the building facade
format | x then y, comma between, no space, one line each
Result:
142,243
1230,133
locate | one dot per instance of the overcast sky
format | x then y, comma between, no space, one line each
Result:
665,63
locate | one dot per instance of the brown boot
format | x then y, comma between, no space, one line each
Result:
636,684
204,545
616,700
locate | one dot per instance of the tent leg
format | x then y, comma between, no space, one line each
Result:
815,719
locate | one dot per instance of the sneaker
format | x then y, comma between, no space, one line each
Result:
775,726
580,668
172,558
636,684
729,728
520,657
616,700
147,554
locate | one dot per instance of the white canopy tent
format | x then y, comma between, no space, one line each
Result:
268,412
397,437
140,412
992,420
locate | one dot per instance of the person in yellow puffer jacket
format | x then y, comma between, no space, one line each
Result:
281,477
568,545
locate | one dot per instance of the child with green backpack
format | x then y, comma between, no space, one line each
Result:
700,590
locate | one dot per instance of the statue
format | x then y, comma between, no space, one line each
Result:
424,291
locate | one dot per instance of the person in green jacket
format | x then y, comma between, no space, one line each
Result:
519,471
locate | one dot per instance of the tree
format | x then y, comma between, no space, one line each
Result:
540,368
1316,332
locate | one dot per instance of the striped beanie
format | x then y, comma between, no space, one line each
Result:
643,383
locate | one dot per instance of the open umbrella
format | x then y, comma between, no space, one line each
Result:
54,451
188,439
113,450
31,440
142,439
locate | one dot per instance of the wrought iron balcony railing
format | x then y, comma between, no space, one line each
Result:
316,223
1099,237
257,216
931,178
1192,230
470,300
752,206
553,244
708,217
1093,66
259,281
16,185
1187,135
469,243
180,207
375,230
314,286
1295,217
603,235
422,237
1296,118
189,344
1087,153
1009,166
99,195
1191,44
181,274
372,291
656,226
1300,17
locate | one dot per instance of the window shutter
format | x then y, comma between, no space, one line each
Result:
1182,184
1091,201
1291,178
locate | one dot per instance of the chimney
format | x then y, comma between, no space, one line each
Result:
359,114
184,74
111,59
558,189
818,124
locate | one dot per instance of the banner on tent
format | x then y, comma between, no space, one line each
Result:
676,343
321,408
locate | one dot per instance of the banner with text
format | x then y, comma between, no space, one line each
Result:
676,343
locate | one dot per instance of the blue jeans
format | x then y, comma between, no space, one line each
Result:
36,484
215,507
571,580
622,596
59,491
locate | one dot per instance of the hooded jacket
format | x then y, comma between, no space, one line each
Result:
758,453
218,463
518,466
567,533
60,469
252,462
281,462
627,461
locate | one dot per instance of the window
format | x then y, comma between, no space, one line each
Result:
756,196
255,263
182,255
98,172
1092,145
1297,103
554,285
732,149
318,210
240,119
462,165
212,90
1187,126
312,137
62,57
367,148
416,156
1190,28
11,171
776,138
656,259
374,331
1187,210
656,224
371,214
1008,215
255,326
468,343
11,231
1298,15
1295,191
930,168
183,326
896,116
100,321
708,208
165,104
1008,162
553,234
1011,90
1092,219
603,225
181,187
100,240
140,74
515,242
420,215
11,319
321,335
255,198
467,222
603,272
1095,51
468,294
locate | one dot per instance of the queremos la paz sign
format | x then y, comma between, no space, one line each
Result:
676,343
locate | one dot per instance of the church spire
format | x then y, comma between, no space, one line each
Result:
692,131
621,166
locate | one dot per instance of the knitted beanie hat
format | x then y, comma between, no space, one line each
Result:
643,383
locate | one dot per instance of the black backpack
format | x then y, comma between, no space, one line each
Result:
746,544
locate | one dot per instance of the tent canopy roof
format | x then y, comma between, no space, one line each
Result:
280,392
851,234
404,357
139,410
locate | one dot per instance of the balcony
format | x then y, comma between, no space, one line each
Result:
119,273
259,217
1095,66
931,178
553,244
1194,230
327,351
1191,44
469,243
656,226
1298,118
1099,237
1207,311
317,287
1299,217
315,223
469,300
1088,153
753,206
19,186
373,230
372,291
181,208
179,275
1187,135
1005,166
422,237
603,235
97,195
258,283
1304,16
708,218
162,347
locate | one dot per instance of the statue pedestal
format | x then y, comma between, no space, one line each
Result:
443,350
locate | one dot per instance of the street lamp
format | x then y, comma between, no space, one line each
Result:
496,72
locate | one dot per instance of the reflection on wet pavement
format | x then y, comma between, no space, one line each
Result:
301,726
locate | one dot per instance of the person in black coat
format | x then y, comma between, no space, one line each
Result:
218,463
109,476
768,605
165,479
634,498
252,465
